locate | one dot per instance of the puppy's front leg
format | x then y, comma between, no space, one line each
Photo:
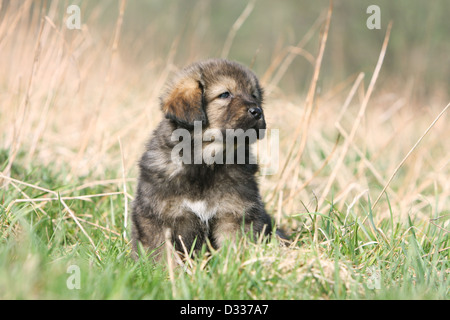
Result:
189,232
229,226
186,230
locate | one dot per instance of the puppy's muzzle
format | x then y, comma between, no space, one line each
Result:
256,112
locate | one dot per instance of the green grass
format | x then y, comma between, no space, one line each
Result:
40,241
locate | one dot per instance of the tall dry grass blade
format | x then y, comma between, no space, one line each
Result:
315,174
368,164
71,213
304,125
432,221
3,176
170,252
408,154
23,108
236,26
349,98
186,255
280,209
360,115
35,205
125,218
358,119
7,27
111,68
98,183
56,80
75,219
348,139
87,197
288,54
115,43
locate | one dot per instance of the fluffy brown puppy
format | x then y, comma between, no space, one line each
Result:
188,194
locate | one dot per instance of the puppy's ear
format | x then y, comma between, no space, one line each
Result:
183,102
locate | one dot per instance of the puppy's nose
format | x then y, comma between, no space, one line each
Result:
256,112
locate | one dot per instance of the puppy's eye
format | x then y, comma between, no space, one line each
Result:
225,95
254,96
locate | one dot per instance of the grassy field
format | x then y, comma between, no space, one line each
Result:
363,184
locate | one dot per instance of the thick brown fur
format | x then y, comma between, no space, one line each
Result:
194,203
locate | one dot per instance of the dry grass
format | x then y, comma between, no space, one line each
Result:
69,101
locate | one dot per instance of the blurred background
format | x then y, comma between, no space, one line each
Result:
418,52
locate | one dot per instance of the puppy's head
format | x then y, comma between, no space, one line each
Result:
220,93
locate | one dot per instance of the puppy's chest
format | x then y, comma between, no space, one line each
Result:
209,207
201,208
219,195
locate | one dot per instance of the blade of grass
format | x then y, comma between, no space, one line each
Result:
365,101
303,128
236,26
409,153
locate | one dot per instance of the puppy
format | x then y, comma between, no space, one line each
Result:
187,195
